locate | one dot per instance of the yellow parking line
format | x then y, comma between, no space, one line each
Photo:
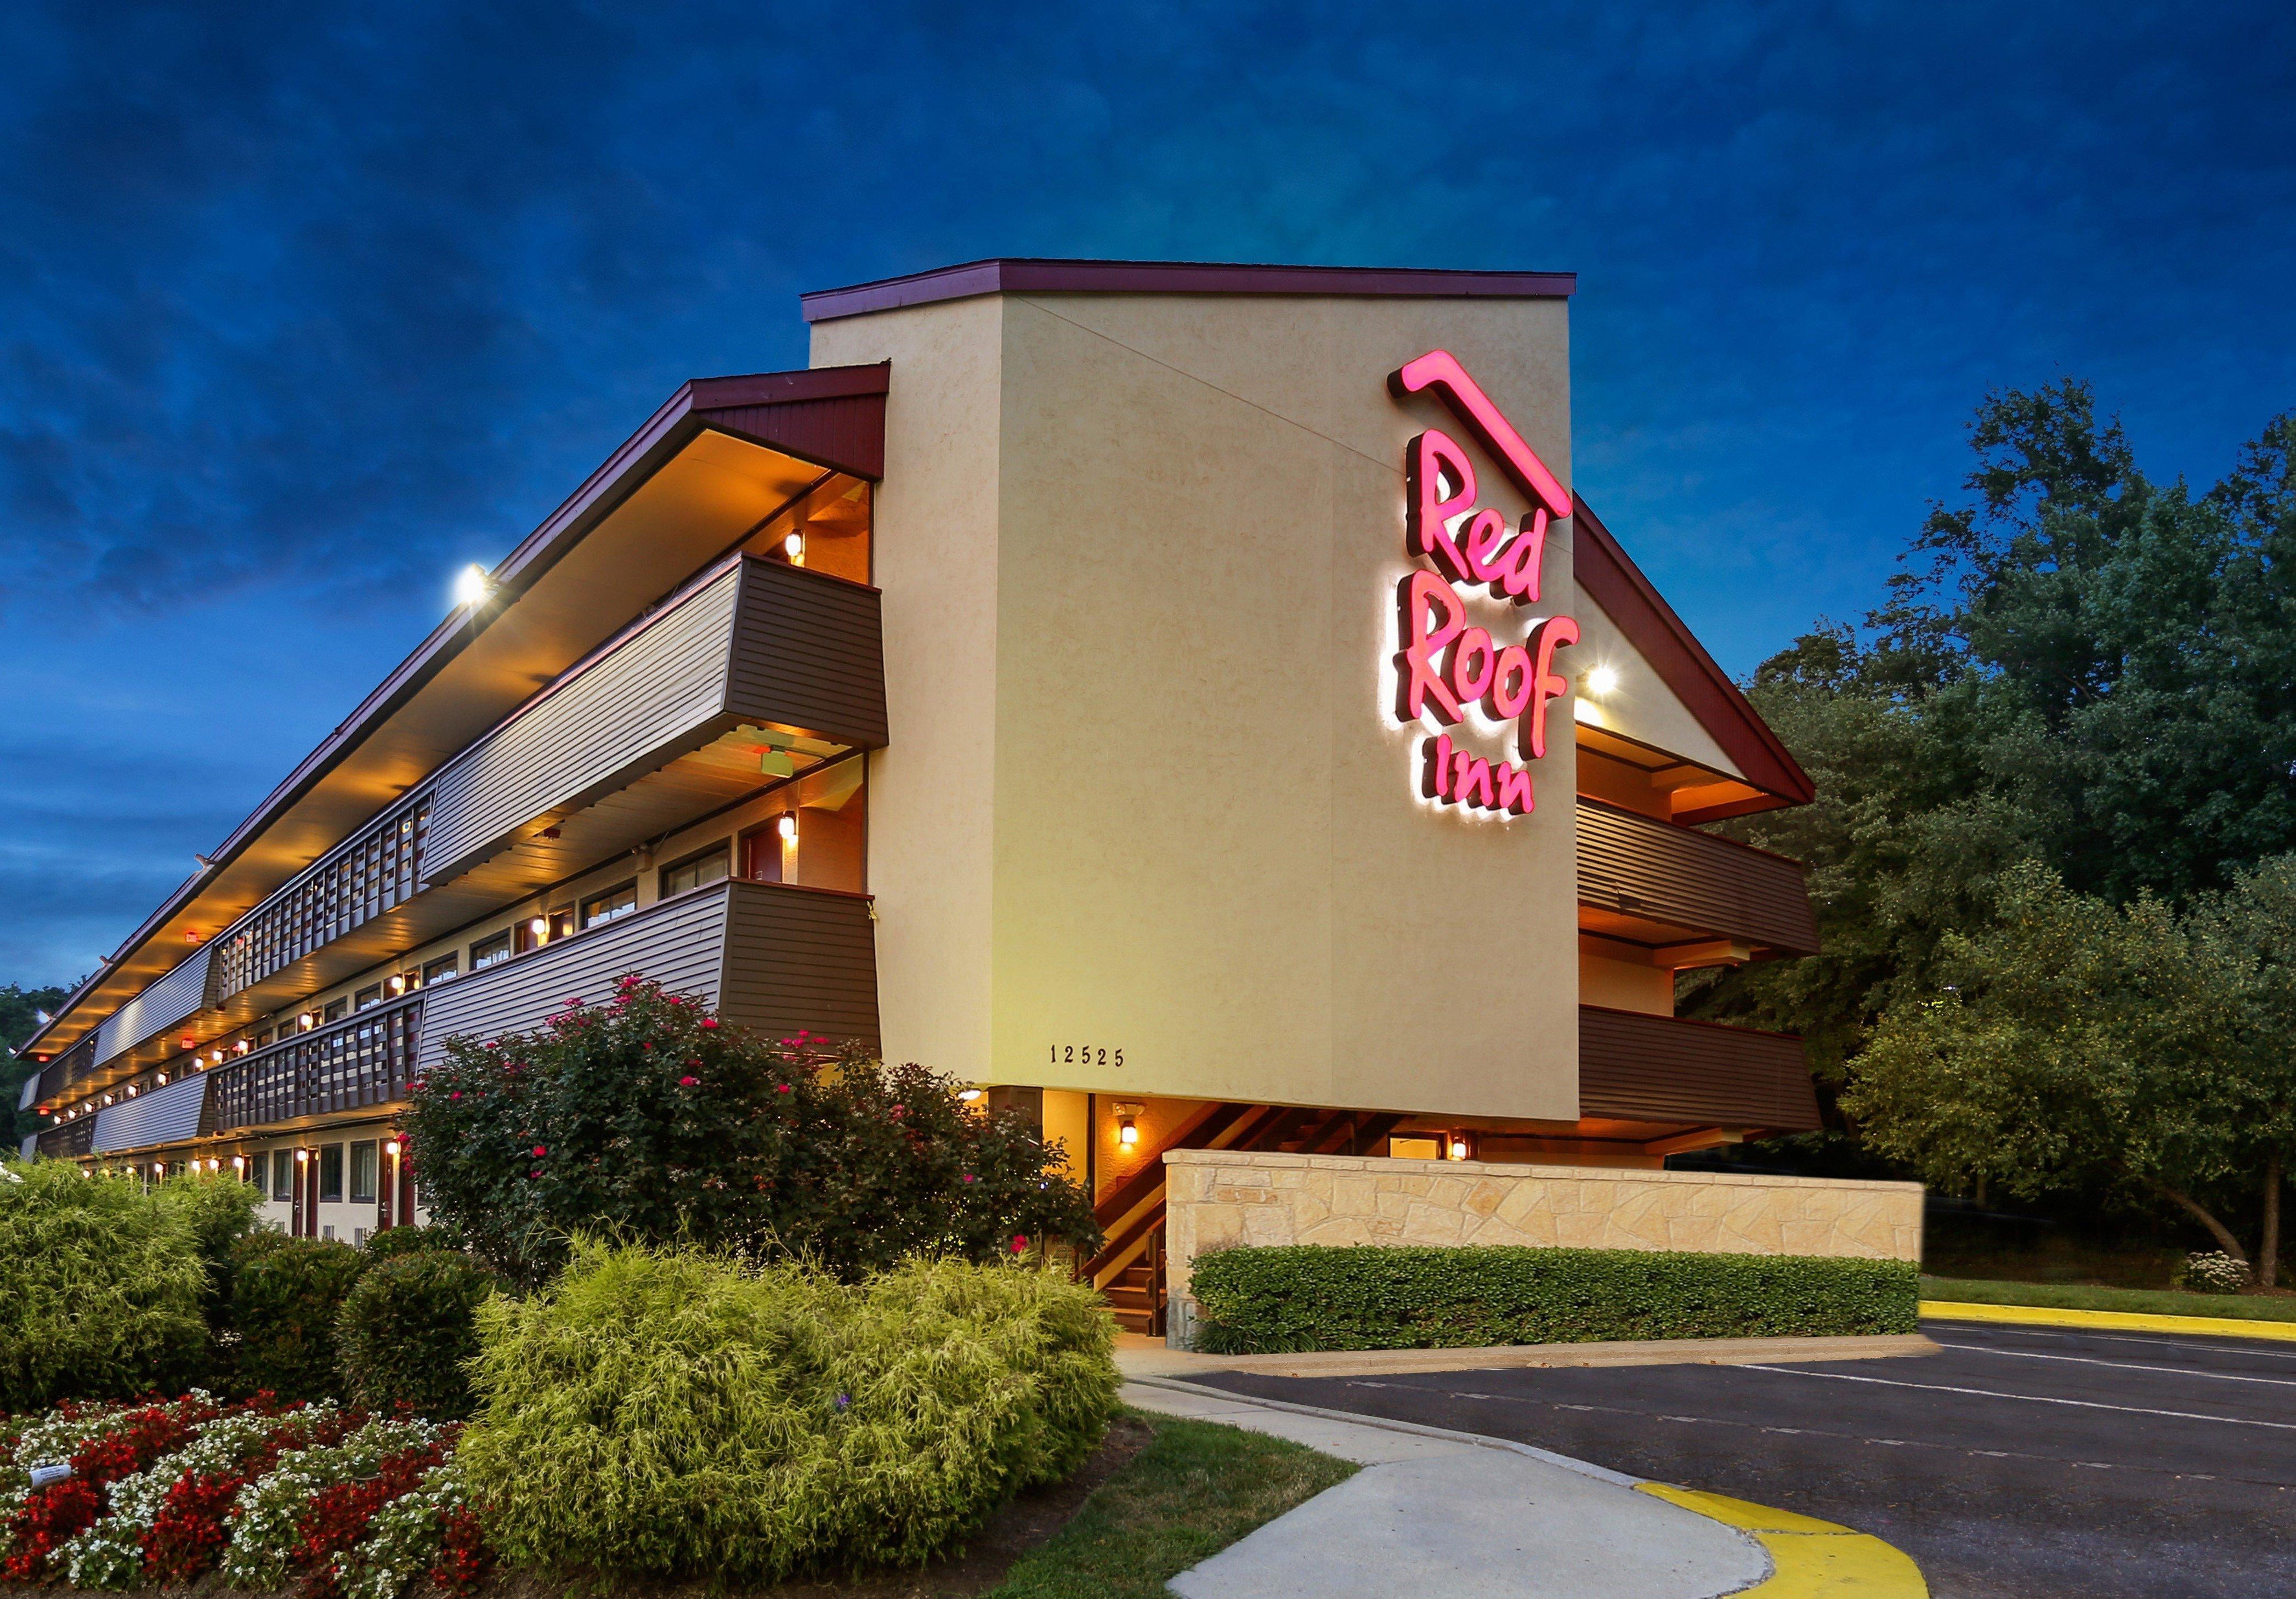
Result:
2125,1321
1812,1558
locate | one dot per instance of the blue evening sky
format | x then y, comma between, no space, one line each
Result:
304,306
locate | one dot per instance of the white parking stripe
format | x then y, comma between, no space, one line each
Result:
2125,1365
1988,1393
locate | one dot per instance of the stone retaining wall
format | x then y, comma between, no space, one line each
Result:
1219,1198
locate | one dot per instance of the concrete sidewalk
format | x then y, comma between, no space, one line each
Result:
1438,1513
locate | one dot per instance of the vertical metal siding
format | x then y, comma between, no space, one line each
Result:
809,651
164,1116
1646,1068
659,684
800,958
160,1006
678,943
1639,867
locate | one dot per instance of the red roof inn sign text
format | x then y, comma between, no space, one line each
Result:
1446,666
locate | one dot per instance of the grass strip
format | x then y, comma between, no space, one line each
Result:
2142,1302
1197,1488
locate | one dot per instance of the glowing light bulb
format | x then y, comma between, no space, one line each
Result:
1127,1134
787,827
793,546
1603,680
472,585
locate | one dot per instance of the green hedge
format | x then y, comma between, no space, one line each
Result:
408,1332
287,1296
1304,1297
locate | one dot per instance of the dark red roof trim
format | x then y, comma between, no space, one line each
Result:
1618,586
1029,275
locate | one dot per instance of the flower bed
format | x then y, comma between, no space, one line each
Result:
332,1503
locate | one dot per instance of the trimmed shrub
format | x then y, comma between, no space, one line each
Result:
100,1288
287,1296
672,1412
1281,1300
407,1330
2211,1271
216,1211
647,1118
391,1243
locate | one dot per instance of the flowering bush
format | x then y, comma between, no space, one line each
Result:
283,1522
124,1443
645,1115
2212,1271
431,1531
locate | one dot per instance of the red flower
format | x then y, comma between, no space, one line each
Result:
457,1094
687,1082
782,1088
539,1151
710,1022
1020,1242
969,1177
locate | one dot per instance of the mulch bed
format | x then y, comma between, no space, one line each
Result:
1028,1522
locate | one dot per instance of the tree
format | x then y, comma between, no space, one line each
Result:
648,1117
2074,1043
20,1010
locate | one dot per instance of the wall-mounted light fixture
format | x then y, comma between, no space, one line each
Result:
472,585
398,983
787,827
1128,1123
1603,680
540,927
793,546
239,1162
969,1096
302,1156
241,1047
160,1081
391,1149
308,1021
1459,1147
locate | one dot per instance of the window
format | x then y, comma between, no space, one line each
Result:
282,1175
363,1171
370,995
358,1237
328,1233
331,1172
438,971
336,1008
257,1171
489,952
532,932
610,906
696,870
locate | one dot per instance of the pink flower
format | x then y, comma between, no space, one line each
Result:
539,1151
899,1111
687,1082
457,1094
1020,1242
782,1088
710,1022
968,1177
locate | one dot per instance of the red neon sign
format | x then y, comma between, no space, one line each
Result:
1447,664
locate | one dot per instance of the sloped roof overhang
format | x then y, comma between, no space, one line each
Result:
717,459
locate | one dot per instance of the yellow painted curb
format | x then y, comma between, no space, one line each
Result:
1813,1559
2127,1321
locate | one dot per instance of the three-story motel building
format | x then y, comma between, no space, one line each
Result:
1187,700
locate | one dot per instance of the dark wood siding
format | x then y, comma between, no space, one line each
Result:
1638,1067
1641,867
63,1142
170,999
808,653
640,703
679,943
803,958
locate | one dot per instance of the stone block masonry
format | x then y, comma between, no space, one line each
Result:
1216,1199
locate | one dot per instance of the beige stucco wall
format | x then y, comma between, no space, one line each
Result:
1165,803
1216,1199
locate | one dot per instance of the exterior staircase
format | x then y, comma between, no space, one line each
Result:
1130,1268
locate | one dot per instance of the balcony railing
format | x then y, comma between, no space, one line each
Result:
1658,883
1637,1067
350,885
366,1059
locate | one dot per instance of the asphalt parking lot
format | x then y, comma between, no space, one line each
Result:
2020,1462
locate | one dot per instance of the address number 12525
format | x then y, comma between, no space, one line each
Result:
1085,1055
